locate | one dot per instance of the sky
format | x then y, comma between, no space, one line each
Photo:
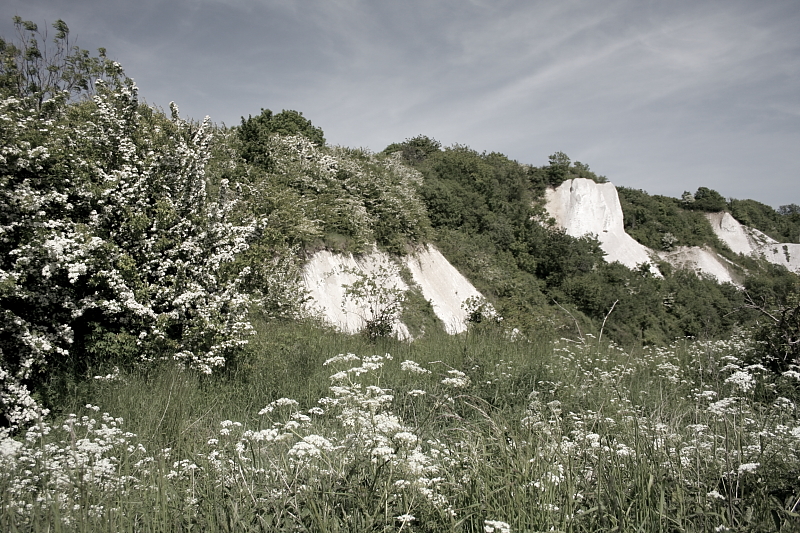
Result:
660,96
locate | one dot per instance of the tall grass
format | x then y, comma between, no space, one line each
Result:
471,433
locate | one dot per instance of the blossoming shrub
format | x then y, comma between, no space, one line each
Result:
111,247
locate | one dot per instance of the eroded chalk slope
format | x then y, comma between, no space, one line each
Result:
327,275
745,240
583,207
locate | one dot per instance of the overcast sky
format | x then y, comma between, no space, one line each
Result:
660,96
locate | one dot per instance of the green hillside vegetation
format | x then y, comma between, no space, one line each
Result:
487,216
150,266
782,224
664,223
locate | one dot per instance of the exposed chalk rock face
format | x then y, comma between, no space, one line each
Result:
582,207
443,286
326,274
701,260
786,254
742,239
738,237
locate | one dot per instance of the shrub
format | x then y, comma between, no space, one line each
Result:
111,244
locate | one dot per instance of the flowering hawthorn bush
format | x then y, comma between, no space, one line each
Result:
111,247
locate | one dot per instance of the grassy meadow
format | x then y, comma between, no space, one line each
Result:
318,431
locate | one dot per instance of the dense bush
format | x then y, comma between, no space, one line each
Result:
255,134
651,218
486,210
704,199
561,169
782,225
112,249
325,195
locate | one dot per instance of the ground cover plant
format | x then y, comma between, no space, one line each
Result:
459,433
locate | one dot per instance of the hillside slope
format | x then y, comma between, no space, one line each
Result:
583,207
744,240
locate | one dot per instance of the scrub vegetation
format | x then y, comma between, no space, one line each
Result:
160,370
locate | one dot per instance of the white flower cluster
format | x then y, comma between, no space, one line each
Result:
354,437
107,231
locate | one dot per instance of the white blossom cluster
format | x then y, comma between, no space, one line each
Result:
351,437
110,242
66,467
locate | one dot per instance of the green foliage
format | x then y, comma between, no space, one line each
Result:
705,199
416,149
662,223
328,196
112,249
541,280
381,299
501,434
255,133
780,334
561,169
782,225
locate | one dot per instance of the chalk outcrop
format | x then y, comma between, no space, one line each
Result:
326,275
443,286
702,260
744,240
583,207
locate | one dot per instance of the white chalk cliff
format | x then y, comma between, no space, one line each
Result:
580,206
326,274
749,241
583,207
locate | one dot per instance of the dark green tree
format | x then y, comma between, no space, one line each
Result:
416,149
708,200
254,133
558,169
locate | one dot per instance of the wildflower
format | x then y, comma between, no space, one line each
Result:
280,402
741,379
341,358
706,395
490,526
459,380
404,518
413,367
722,407
748,468
406,438
792,374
